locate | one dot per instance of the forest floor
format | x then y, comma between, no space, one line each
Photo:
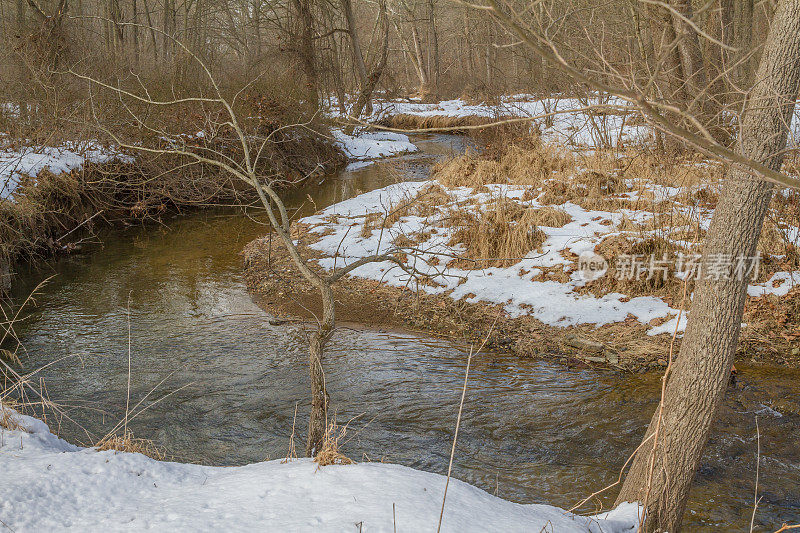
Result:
500,241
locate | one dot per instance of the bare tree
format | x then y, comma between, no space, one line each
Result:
665,464
221,116
662,472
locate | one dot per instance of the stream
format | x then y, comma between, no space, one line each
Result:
223,380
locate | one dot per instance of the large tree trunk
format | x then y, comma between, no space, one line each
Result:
365,95
306,48
662,474
691,57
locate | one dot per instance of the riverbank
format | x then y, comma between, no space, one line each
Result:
54,198
50,484
499,236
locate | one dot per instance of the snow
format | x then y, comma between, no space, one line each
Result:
522,289
30,161
779,284
50,485
367,146
518,288
568,123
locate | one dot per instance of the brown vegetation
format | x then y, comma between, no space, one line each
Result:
130,444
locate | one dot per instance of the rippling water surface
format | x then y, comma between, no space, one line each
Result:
223,382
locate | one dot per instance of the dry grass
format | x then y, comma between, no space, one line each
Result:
550,217
500,235
130,444
8,416
416,122
329,453
424,204
524,161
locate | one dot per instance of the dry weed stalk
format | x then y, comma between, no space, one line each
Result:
330,453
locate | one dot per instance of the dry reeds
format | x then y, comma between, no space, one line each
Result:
417,122
524,161
8,417
424,204
329,453
130,444
500,235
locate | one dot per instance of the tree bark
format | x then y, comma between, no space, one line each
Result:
662,474
319,395
306,48
691,56
355,42
365,95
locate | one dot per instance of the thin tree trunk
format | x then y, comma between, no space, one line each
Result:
319,395
701,372
152,30
691,56
419,62
21,70
355,42
434,47
135,32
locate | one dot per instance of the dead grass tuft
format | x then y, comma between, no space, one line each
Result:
523,161
8,417
424,204
329,453
500,235
130,444
550,217
416,122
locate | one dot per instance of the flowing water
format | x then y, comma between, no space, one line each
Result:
223,380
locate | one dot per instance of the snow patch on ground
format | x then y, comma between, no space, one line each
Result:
518,287
30,161
779,284
48,484
523,289
364,147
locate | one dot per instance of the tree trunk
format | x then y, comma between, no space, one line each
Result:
319,394
691,57
21,69
365,95
419,62
434,47
662,474
355,42
306,48
743,35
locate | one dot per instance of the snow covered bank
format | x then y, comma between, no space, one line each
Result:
560,119
48,484
30,161
363,148
520,288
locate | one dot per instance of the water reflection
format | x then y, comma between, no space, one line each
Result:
531,431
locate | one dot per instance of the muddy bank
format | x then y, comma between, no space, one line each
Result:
282,291
59,213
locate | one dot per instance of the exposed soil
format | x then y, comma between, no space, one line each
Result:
771,337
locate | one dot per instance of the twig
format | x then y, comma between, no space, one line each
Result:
458,419
756,499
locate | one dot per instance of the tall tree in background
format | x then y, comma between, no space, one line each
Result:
663,469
